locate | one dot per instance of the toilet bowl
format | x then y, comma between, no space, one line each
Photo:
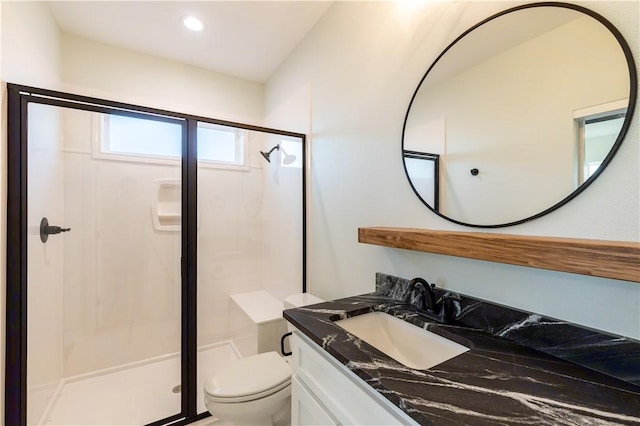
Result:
255,390
252,391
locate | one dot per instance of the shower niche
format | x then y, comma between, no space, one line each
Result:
165,209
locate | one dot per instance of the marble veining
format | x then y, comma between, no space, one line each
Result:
614,355
511,375
341,313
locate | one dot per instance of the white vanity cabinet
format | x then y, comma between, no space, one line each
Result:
324,392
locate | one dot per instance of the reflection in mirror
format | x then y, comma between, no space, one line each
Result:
534,100
424,170
596,134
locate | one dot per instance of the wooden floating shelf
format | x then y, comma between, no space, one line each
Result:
607,259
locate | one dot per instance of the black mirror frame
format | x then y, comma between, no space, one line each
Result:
633,87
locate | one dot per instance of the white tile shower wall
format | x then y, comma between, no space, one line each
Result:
122,277
229,245
282,233
45,261
88,69
292,113
249,236
122,281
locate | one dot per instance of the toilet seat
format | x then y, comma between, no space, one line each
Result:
249,379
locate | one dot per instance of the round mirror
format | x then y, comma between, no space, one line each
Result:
519,114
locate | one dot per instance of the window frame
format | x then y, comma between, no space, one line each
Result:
100,150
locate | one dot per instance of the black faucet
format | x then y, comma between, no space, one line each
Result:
428,299
440,310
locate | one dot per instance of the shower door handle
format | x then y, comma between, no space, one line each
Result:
46,230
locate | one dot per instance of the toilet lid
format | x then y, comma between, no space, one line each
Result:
250,378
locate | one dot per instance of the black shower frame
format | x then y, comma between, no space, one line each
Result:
18,98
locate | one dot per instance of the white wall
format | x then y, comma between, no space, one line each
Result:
362,62
30,44
31,55
109,72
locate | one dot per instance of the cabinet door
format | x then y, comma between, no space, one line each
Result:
305,408
346,396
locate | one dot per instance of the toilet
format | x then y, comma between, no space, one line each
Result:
256,390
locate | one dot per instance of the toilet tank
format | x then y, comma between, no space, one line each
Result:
265,311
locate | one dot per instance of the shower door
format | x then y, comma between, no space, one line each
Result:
129,229
103,265
250,239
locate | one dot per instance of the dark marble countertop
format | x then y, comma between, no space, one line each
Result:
496,382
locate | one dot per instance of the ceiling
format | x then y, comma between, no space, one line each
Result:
245,39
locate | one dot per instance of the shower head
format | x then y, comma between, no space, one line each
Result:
288,158
266,155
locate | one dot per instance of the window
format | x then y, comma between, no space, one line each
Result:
132,136
138,139
221,145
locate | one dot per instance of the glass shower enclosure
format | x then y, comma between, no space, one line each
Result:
130,228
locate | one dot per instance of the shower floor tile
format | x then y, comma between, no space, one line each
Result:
210,421
133,396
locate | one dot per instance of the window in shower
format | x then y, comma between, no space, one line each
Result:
125,138
221,145
121,135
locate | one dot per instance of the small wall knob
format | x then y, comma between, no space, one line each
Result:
474,172
46,230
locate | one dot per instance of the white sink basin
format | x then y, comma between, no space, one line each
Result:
408,344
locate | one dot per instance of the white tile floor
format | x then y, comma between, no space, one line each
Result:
133,396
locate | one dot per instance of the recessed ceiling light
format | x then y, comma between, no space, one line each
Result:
193,23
